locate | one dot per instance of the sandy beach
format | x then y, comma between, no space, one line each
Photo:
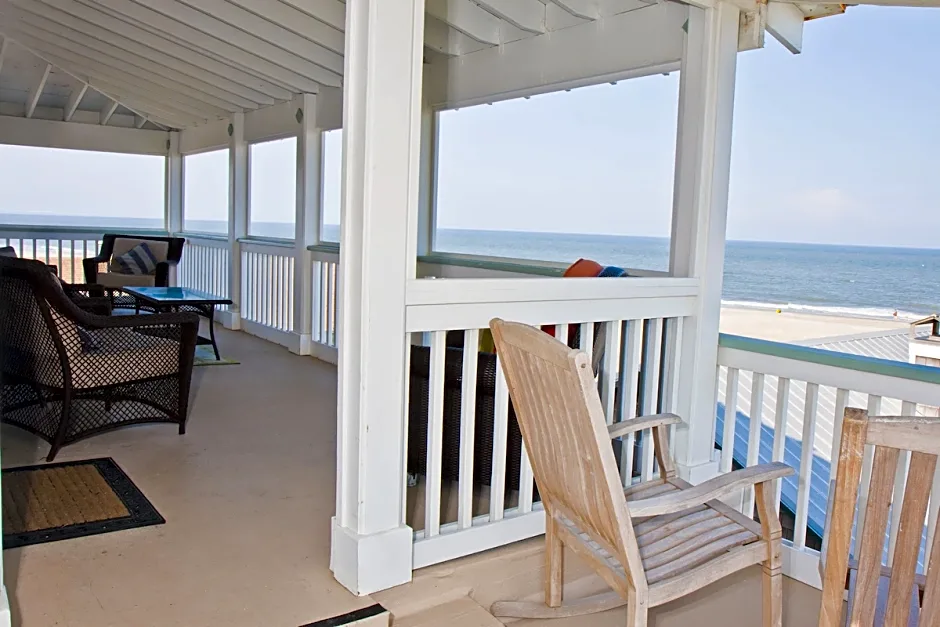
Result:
792,327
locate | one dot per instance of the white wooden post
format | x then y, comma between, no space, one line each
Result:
173,197
237,214
703,163
307,223
371,544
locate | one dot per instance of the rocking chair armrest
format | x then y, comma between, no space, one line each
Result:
620,429
710,490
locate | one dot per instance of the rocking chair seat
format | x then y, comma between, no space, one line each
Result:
673,544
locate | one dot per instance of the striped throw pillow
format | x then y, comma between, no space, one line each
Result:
138,260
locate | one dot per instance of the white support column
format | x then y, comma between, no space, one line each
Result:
703,163
173,198
237,215
371,545
309,166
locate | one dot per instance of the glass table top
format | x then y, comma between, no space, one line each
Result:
174,294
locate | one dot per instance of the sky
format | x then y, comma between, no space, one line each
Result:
836,145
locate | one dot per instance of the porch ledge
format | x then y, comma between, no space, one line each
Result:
858,363
324,247
482,263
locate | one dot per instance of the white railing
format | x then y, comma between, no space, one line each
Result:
64,248
267,298
205,265
325,274
784,396
631,327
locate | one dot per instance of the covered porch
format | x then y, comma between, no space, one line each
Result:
299,492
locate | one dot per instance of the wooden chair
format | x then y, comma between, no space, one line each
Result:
653,542
868,604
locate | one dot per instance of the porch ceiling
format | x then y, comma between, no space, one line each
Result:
181,63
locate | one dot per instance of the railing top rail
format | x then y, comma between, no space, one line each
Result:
822,357
55,232
196,236
266,242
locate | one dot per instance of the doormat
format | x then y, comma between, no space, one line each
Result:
61,501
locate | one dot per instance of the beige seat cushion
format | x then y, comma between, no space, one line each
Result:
125,355
124,244
116,279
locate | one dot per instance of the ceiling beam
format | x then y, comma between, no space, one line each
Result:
528,15
153,88
75,98
159,114
332,12
585,9
468,18
36,91
785,23
220,47
248,32
74,40
444,39
108,111
58,21
139,121
149,43
882,3
294,20
131,105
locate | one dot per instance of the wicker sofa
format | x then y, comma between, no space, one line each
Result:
66,373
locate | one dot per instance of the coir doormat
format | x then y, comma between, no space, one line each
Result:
66,500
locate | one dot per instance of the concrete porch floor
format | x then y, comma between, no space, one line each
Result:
247,493
458,594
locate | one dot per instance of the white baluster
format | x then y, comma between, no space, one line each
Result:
500,437
468,412
432,482
731,413
754,431
806,464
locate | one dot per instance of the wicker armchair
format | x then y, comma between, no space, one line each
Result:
68,374
169,250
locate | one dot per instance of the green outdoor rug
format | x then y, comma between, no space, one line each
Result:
205,357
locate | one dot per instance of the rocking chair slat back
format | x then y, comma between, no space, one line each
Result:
562,424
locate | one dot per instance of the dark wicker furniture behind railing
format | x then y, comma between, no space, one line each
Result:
66,374
418,406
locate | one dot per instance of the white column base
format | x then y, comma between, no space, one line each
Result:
6,620
698,473
230,319
300,343
367,564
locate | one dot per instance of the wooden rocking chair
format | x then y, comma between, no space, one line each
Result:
653,542
881,595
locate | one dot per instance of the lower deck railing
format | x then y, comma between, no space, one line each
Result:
780,402
472,487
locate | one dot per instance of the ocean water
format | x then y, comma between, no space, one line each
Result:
844,280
